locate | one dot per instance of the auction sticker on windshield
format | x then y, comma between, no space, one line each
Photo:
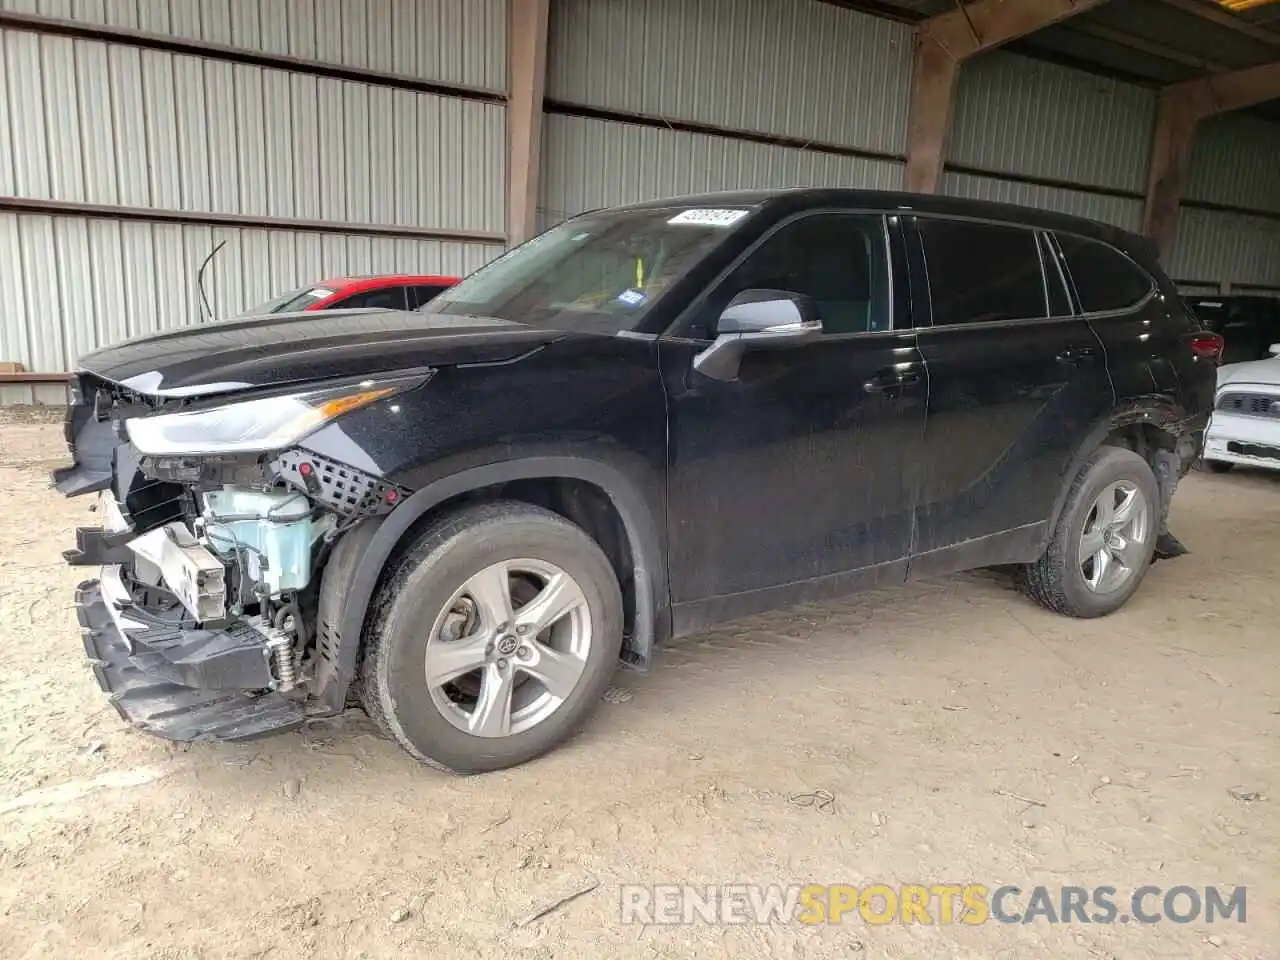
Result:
709,218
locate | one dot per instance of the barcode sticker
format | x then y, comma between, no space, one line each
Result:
709,218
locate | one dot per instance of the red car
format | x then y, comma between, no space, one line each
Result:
395,292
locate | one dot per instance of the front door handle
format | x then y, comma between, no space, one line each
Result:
891,379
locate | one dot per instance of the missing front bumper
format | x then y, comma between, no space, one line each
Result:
183,685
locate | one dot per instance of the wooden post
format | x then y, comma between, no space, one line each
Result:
1176,121
929,125
526,82
943,43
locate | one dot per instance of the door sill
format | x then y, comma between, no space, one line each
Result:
1020,545
696,615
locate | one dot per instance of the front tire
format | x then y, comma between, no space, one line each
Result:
494,638
1104,538
1219,466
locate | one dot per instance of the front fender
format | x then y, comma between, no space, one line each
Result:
362,564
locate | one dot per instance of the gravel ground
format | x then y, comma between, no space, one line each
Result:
925,713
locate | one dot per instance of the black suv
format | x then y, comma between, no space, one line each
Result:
642,422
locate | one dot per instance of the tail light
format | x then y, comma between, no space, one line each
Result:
1207,345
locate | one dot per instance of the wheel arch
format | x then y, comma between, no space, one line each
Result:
375,546
1149,426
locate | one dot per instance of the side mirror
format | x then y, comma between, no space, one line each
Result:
754,311
1274,350
754,319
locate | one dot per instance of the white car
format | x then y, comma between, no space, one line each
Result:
1245,427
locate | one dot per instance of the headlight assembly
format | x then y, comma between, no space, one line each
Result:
257,425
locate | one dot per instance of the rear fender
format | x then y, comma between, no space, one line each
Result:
1156,411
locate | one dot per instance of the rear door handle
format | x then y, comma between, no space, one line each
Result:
1077,355
891,379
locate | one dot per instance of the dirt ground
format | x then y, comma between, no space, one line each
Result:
921,710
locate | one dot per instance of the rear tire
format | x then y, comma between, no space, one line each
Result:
1219,466
440,610
1063,579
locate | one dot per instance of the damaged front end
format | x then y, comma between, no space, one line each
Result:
218,518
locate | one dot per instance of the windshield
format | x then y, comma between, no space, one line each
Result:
293,300
600,272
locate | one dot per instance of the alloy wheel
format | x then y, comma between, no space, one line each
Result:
1114,540
508,648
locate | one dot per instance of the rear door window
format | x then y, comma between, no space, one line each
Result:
981,272
421,293
384,298
1105,279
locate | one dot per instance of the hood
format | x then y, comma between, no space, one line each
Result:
284,348
1265,372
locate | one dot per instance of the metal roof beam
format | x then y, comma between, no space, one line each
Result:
1224,92
942,44
1181,108
1149,47
1223,18
985,24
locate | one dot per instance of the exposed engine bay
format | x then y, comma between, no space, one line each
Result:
209,586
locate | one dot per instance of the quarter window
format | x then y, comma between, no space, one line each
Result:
982,272
1105,279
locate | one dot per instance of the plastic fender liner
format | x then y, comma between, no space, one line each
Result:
92,445
1167,469
356,571
330,682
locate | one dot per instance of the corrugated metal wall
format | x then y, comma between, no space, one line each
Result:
1121,211
446,41
594,163
1235,161
787,67
793,69
74,283
108,123
645,99
113,124
666,97
1022,116
1217,246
